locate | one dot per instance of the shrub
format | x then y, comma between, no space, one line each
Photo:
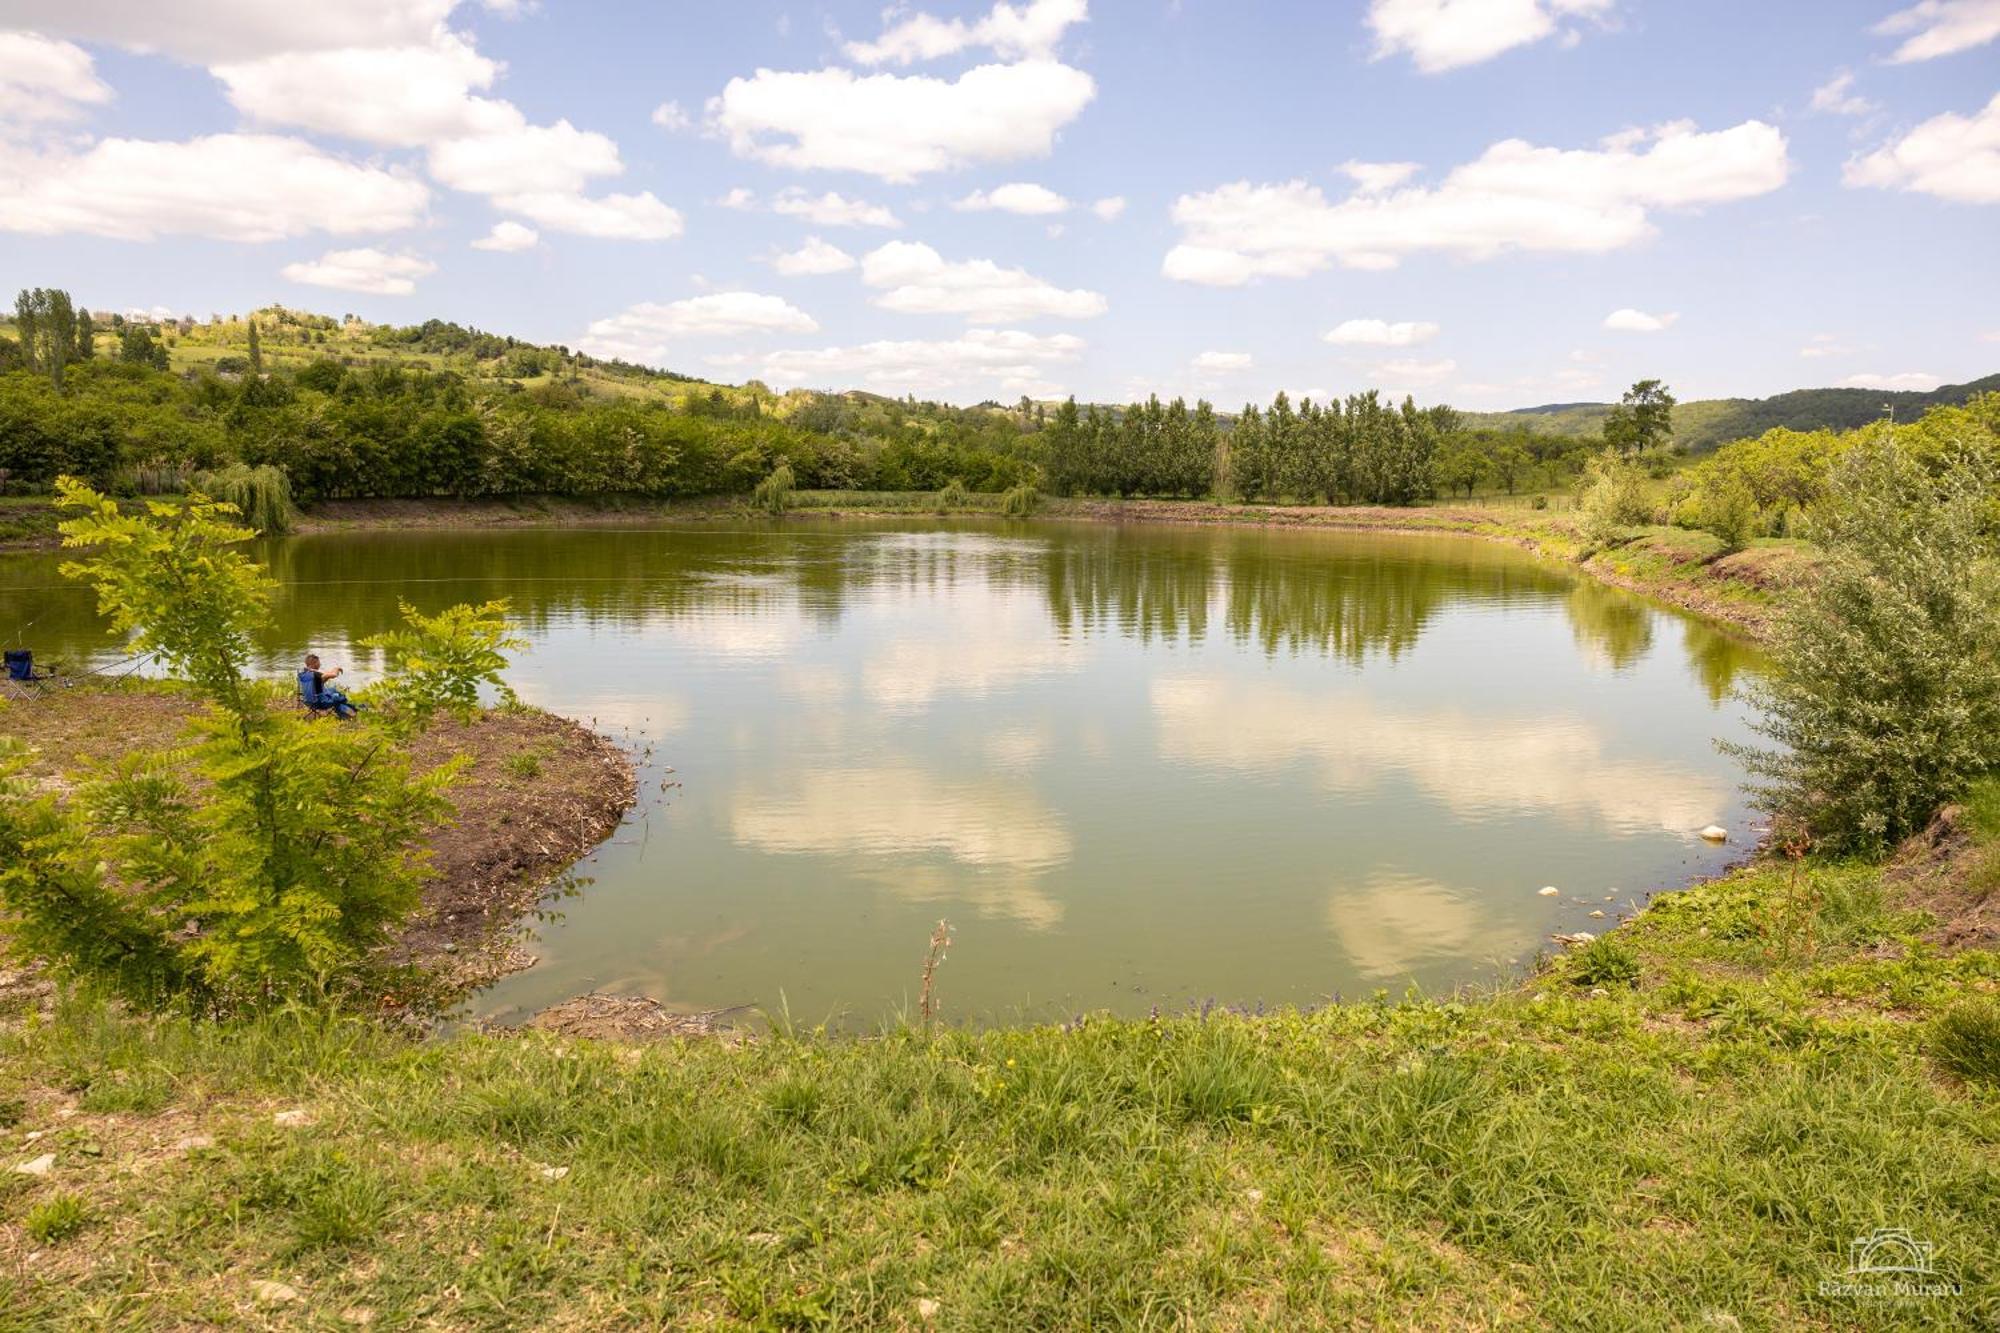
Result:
56,1219
1613,498
774,493
1727,511
1021,500
279,875
953,496
261,495
1605,961
1965,1039
1884,698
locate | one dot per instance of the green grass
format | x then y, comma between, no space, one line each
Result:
1775,1067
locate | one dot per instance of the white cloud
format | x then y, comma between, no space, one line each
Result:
1822,345
643,332
1951,156
1833,97
1222,363
670,117
1109,208
525,159
832,210
1515,196
1381,333
207,32
1917,380
366,270
895,127
1377,177
611,217
1022,197
916,280
1628,320
508,236
814,257
403,97
1446,34
232,187
43,80
1014,361
1406,373
1031,29
1935,28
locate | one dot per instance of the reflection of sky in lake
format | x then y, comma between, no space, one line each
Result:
1132,766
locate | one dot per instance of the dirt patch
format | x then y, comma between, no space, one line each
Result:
1945,872
628,1018
539,792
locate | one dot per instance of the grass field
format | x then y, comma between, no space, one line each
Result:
1684,1125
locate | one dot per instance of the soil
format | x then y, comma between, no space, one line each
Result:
538,793
1943,872
629,1018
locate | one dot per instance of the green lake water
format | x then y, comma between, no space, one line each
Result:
1133,766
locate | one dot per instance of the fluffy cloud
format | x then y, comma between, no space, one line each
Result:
232,187
1381,333
825,210
1020,197
916,280
899,128
643,332
525,159
1446,34
1951,156
403,97
1628,320
1014,361
1108,209
1834,98
366,270
1935,28
1917,380
1822,345
1375,177
669,117
613,217
814,257
1515,196
207,32
1032,29
507,237
1222,363
42,80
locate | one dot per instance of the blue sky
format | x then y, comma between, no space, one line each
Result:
1488,202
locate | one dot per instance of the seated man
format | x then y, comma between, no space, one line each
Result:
315,694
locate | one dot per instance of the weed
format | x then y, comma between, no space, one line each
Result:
56,1219
1605,961
1965,1039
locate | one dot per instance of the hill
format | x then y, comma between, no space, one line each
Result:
1709,423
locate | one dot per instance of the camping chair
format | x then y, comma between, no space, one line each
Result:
314,701
21,666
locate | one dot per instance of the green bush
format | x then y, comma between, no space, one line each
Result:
1727,511
774,493
1613,498
277,876
1605,961
953,496
1884,698
56,1219
1965,1039
1020,501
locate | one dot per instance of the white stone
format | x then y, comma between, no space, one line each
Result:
293,1118
40,1166
554,1172
273,1293
927,1309
1715,833
1548,891
193,1142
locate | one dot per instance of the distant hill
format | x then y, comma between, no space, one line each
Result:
1711,422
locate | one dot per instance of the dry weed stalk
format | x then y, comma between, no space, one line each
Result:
927,998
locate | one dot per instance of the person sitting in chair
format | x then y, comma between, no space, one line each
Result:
315,694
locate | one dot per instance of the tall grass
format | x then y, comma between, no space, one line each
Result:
263,495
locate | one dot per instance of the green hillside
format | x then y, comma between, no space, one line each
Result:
1709,423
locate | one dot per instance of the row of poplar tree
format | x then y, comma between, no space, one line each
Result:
1363,450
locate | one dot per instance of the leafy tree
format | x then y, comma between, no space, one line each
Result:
1461,468
256,350
47,324
86,336
283,869
1885,698
1613,498
1509,462
1643,418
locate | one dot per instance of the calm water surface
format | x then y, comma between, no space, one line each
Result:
1133,766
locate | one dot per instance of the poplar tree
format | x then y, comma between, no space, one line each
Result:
256,350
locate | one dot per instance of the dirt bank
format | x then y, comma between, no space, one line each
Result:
539,793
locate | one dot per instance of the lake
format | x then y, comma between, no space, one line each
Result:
1134,766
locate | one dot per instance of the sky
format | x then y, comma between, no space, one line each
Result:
1494,203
